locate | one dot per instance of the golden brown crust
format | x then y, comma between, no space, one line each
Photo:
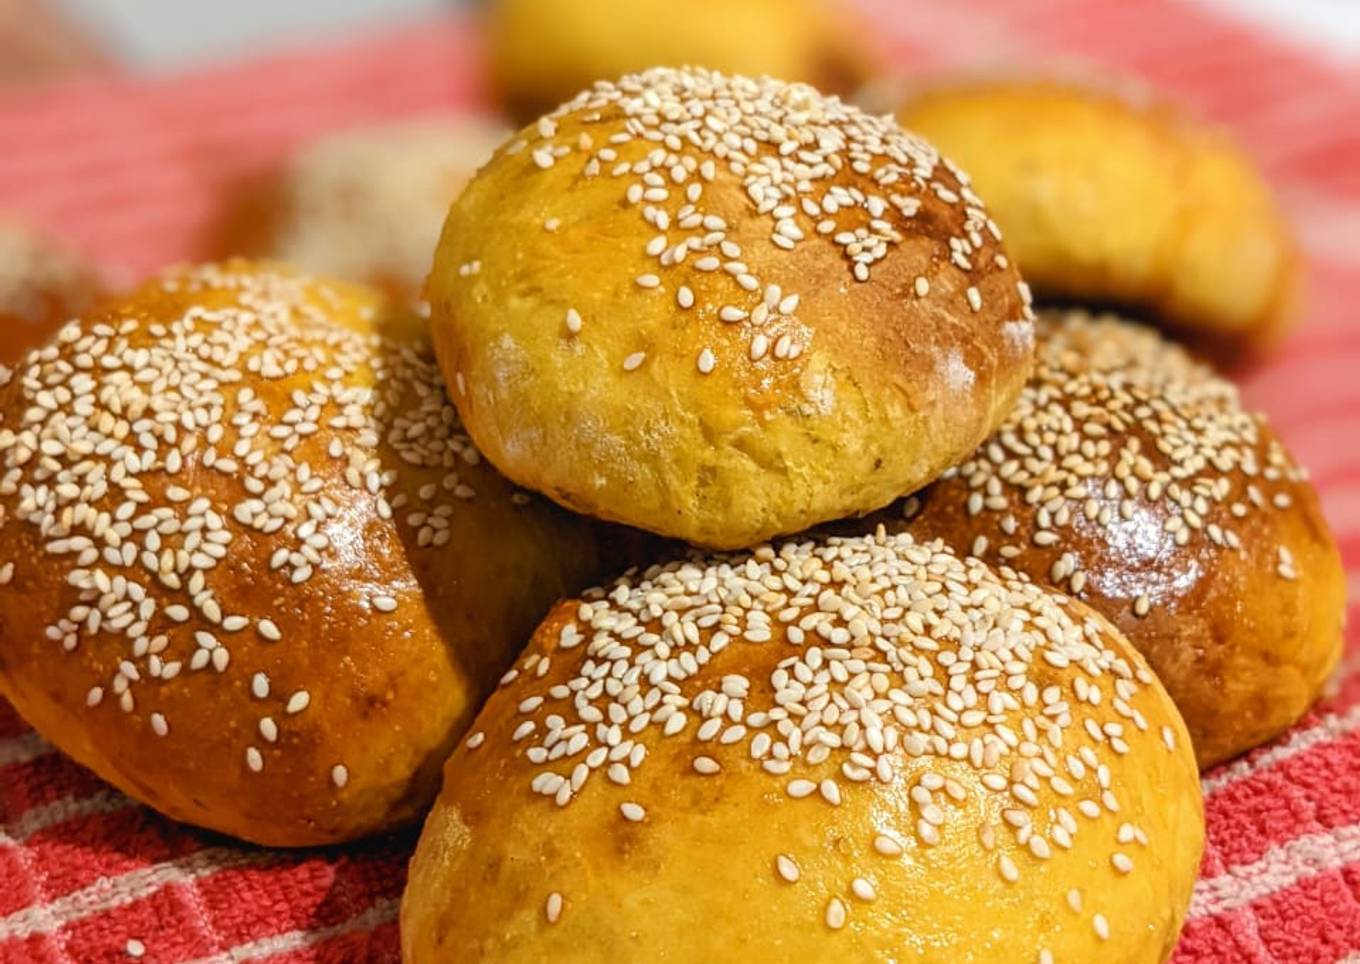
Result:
1130,476
814,41
253,572
1110,199
42,285
722,309
853,750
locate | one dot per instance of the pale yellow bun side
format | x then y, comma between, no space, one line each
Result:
852,750
722,309
251,570
1131,476
543,52
1115,199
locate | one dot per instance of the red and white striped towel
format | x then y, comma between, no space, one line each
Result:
132,170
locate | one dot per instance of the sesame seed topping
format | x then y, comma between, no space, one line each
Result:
475,740
884,662
254,760
1102,927
339,775
706,362
634,361
135,948
573,321
552,907
813,168
384,604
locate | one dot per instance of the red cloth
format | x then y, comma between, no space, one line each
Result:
132,169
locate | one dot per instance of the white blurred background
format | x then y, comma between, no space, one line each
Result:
159,34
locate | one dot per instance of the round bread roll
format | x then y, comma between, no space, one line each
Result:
42,285
367,204
1130,476
1113,199
252,572
721,309
853,750
816,41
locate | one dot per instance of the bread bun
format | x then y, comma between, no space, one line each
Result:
854,750
365,204
251,570
1112,199
42,284
721,309
817,41
1130,476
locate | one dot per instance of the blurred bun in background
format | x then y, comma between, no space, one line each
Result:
365,204
42,285
543,52
1113,199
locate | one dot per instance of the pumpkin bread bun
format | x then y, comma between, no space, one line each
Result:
41,286
851,750
1130,476
1114,199
251,570
816,41
721,309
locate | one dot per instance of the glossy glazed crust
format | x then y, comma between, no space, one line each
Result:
884,383
1108,199
806,40
42,285
1242,635
394,633
696,875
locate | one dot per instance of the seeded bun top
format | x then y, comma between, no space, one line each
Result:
1130,475
720,308
862,749
251,570
42,285
1116,199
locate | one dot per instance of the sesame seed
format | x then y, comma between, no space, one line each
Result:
1122,863
864,890
787,868
684,297
158,724
259,686
475,740
835,914
1102,927
339,775
707,361
552,907
922,287
648,281
384,604
801,788
135,948
706,765
632,812
298,702
634,361
254,760
573,321
974,299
